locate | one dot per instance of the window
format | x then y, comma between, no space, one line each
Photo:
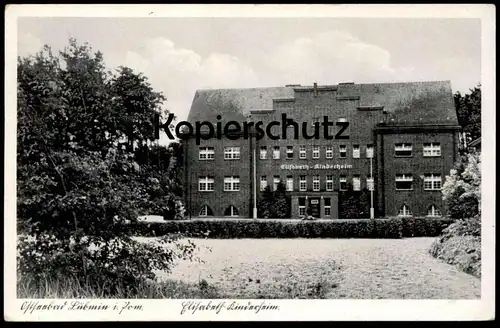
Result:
276,181
302,206
206,184
316,183
369,151
342,151
329,151
289,152
432,182
355,151
302,152
328,206
232,183
263,182
231,152
356,183
369,183
404,182
343,182
315,152
206,153
432,149
276,152
302,183
206,211
231,211
329,183
289,183
433,211
263,152
402,150
404,211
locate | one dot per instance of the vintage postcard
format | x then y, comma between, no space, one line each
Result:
249,162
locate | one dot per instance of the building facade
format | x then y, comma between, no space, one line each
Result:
396,140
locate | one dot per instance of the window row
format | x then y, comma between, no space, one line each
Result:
400,150
432,149
315,151
231,183
316,183
208,153
432,210
327,206
431,182
403,182
229,211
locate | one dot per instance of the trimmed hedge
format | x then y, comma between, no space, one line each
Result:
424,226
354,228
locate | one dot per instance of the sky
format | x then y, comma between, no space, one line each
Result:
181,55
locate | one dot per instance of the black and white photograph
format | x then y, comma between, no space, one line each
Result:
226,162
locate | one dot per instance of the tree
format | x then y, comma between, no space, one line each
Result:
462,188
265,203
281,203
468,109
79,192
354,204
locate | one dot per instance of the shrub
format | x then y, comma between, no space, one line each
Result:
462,188
222,229
424,226
460,245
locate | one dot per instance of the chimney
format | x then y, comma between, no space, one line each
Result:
315,90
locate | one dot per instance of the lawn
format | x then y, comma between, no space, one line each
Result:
325,268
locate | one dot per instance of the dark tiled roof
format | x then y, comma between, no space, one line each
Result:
404,103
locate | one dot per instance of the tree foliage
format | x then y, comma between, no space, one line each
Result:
462,188
80,183
468,109
274,204
354,204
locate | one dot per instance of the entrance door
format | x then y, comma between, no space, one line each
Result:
314,205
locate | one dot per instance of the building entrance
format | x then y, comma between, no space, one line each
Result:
314,205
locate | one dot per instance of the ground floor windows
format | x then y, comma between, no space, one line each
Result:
369,183
289,183
432,182
263,182
232,183
404,182
316,183
356,183
329,183
328,206
231,211
206,211
433,211
302,183
276,181
343,182
302,206
404,211
206,184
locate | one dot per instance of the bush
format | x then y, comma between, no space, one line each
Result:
460,245
223,229
424,226
462,188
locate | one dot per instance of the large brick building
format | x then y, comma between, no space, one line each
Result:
406,134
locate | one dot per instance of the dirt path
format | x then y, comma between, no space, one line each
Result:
352,268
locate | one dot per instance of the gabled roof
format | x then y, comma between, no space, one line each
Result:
404,103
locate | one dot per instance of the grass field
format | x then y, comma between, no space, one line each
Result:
326,268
